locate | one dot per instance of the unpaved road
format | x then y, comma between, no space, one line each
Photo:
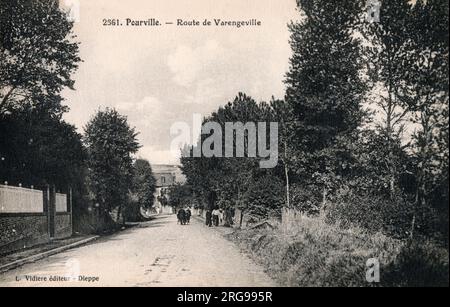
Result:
156,253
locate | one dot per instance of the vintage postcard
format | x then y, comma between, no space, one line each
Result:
241,144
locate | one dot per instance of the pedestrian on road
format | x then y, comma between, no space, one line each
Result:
215,215
181,215
188,215
209,218
221,216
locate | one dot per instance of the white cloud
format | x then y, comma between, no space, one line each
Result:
156,156
188,64
206,91
147,104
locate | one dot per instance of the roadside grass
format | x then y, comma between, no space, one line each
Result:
320,254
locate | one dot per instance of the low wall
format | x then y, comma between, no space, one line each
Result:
30,217
20,231
63,225
20,200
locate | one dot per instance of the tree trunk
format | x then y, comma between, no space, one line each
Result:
413,226
241,219
424,157
389,131
119,213
413,222
286,173
324,199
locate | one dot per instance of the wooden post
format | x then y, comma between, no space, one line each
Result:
70,208
47,207
46,196
52,210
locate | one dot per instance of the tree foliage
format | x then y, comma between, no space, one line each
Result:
325,88
110,143
179,195
33,156
37,54
231,182
144,184
336,155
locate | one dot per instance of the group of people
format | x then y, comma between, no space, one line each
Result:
184,216
214,217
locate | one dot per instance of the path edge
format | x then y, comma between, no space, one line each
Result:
18,263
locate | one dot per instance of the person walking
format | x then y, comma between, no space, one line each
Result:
181,215
216,214
209,218
221,216
188,215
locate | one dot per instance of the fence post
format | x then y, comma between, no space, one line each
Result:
47,206
45,194
52,210
70,208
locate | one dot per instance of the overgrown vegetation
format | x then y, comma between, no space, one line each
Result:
363,142
363,148
316,253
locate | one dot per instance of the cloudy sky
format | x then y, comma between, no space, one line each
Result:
160,75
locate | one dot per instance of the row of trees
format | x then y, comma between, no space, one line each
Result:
37,58
115,179
38,55
365,117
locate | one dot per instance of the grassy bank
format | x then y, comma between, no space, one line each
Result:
319,254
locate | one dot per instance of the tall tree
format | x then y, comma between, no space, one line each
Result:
144,183
228,180
33,156
325,87
281,112
37,54
389,61
110,143
179,195
428,80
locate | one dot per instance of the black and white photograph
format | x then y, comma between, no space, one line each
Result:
242,145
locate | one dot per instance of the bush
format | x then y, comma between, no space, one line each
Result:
419,264
132,212
375,213
319,254
307,199
265,197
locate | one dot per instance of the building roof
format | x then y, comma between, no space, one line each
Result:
164,169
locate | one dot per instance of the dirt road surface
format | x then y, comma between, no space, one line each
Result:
156,253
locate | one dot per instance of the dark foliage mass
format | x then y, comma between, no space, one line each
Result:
347,154
352,89
367,184
110,143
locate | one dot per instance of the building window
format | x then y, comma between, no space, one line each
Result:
163,179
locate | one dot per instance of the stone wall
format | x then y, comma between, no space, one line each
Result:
19,231
29,217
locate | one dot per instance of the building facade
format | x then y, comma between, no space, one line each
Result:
166,175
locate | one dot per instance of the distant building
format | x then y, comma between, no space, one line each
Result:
166,175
